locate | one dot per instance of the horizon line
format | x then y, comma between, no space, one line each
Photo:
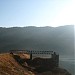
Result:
33,26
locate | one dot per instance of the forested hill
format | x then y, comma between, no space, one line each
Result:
60,39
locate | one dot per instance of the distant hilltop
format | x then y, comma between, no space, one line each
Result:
59,39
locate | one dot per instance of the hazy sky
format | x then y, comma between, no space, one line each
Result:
37,13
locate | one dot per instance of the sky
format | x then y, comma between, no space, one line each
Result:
21,13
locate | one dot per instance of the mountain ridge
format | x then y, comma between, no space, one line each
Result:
60,38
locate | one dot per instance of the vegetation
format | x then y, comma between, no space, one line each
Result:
9,66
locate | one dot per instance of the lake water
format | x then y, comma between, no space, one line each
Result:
68,64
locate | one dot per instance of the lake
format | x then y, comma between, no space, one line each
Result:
68,64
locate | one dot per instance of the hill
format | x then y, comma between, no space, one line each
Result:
9,66
59,39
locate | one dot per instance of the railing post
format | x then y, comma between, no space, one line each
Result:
30,56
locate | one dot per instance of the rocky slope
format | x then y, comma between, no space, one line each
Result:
9,66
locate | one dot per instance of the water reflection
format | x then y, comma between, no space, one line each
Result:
68,64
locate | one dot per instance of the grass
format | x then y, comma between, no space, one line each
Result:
8,66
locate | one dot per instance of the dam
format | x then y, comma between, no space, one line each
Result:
38,62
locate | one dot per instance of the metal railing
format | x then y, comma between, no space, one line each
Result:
33,51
